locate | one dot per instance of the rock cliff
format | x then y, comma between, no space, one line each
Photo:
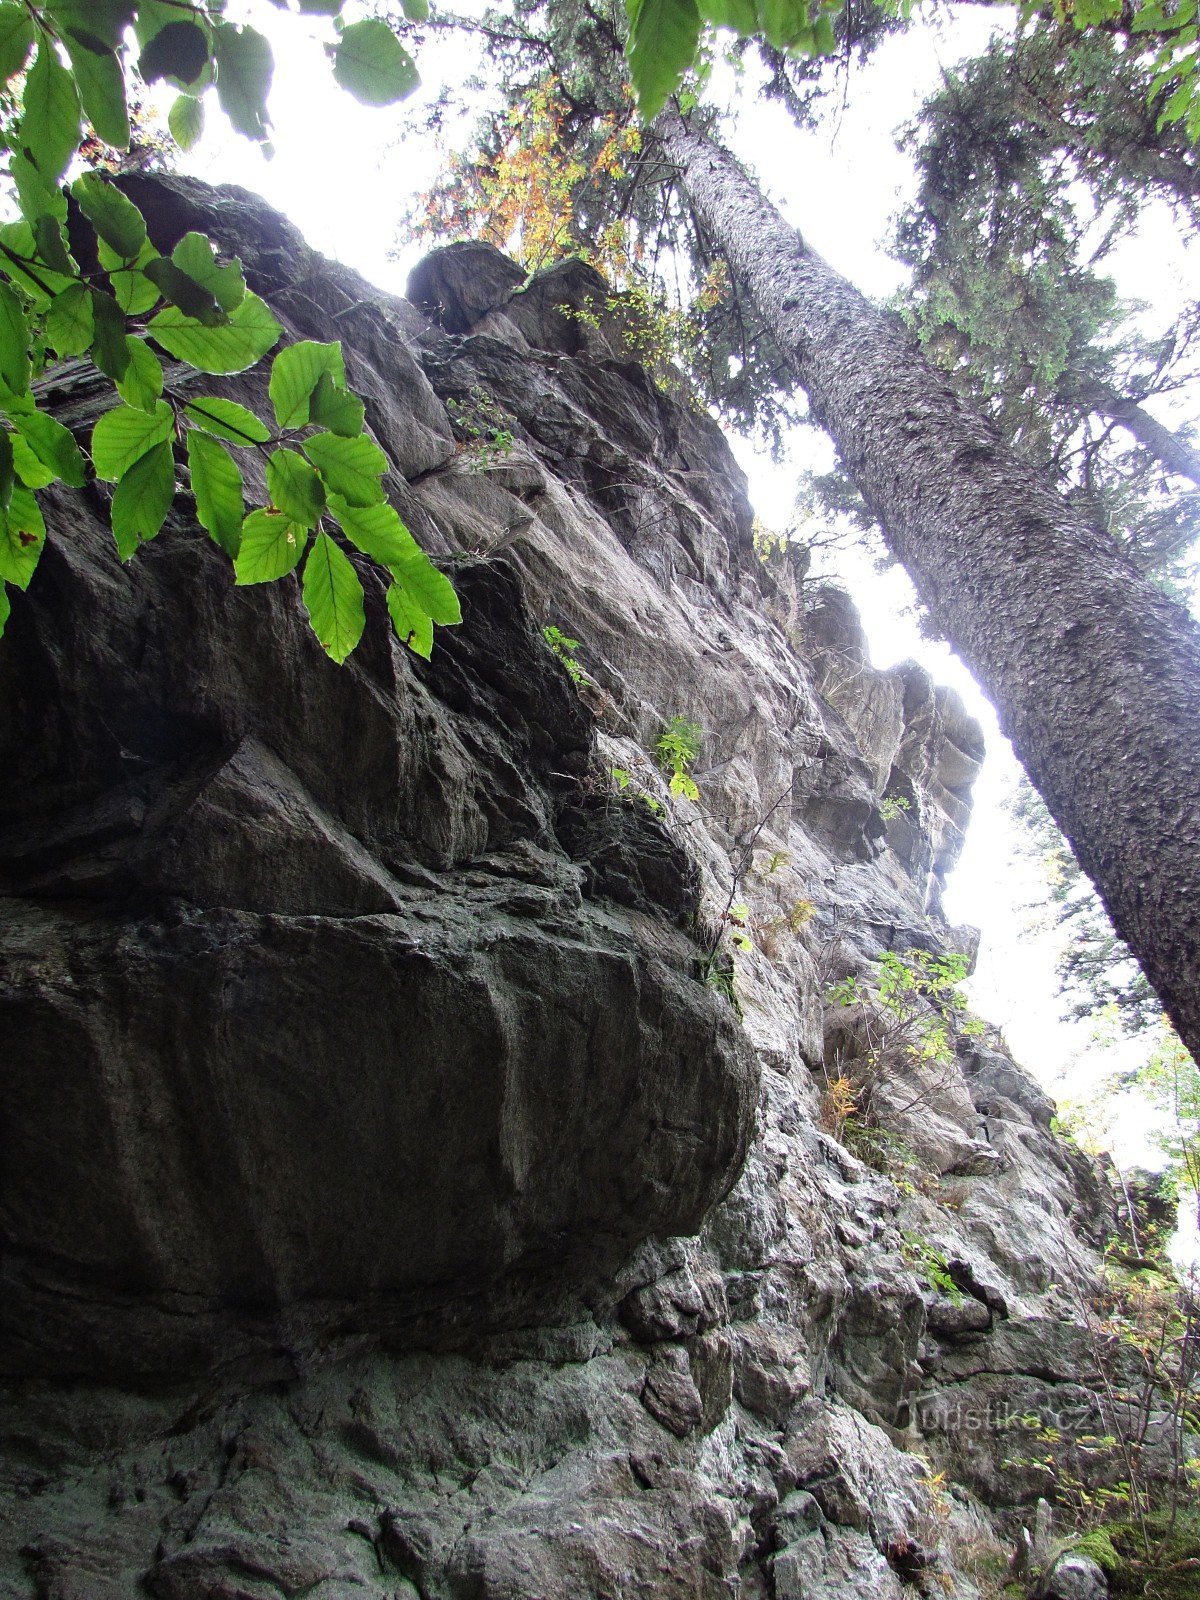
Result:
406,1187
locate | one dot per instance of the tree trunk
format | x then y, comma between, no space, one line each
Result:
1168,448
1094,672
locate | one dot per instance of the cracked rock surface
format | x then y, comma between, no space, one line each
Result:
388,1205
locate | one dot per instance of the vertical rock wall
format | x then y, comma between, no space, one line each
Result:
392,1200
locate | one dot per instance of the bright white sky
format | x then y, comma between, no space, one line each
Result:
346,175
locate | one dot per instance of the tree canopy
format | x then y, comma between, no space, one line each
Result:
85,281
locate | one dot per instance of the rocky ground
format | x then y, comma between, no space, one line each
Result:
406,1188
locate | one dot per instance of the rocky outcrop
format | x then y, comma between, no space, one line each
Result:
406,1189
269,943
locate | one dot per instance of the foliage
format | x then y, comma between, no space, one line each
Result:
1101,982
932,1265
769,932
777,859
737,919
565,649
677,748
562,168
1097,973
664,41
1033,161
542,195
1169,1081
908,1014
717,970
1125,1476
566,169
485,427
84,280
846,1114
662,338
623,779
919,999
526,190
839,1103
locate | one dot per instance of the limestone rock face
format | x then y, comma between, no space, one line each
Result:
392,1201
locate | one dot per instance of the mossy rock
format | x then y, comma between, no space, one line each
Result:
1175,1575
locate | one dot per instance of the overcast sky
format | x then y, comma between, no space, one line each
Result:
346,175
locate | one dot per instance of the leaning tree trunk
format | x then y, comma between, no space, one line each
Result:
1167,447
1095,673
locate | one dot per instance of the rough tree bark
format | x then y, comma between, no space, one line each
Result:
1095,673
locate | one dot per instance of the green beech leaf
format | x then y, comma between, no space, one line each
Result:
101,85
115,217
184,292
15,404
22,538
14,342
321,8
143,380
16,39
152,17
414,627
186,121
295,373
38,198
248,335
142,499
376,530
740,15
8,475
40,283
785,23
373,65
217,485
336,409
195,255
416,10
225,419
178,52
333,597
244,68
50,128
100,23
52,248
295,488
427,587
132,290
124,434
824,39
32,471
110,347
270,548
69,322
663,37
351,468
5,609
53,445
